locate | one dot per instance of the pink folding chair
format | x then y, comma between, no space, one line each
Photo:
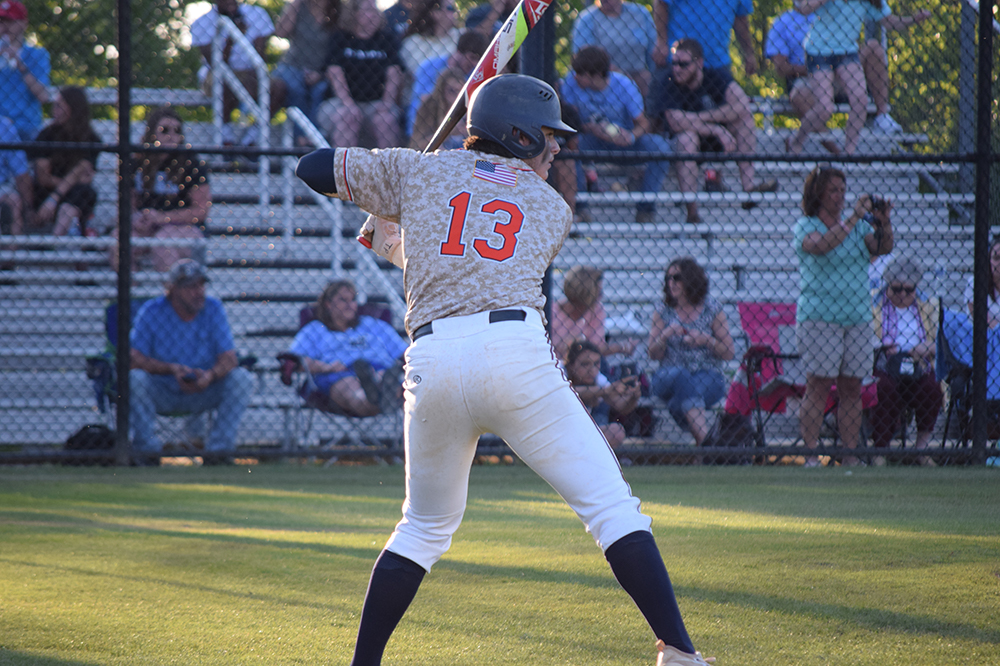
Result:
761,387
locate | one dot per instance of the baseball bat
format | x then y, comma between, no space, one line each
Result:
505,43
503,47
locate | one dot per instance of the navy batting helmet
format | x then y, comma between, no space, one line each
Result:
516,102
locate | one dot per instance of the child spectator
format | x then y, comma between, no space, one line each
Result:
611,111
604,400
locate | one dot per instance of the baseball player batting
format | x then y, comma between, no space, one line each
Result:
479,227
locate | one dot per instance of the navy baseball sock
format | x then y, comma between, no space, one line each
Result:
636,563
393,585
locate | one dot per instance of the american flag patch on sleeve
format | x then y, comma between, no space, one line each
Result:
495,173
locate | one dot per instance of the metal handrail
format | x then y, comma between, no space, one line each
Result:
260,107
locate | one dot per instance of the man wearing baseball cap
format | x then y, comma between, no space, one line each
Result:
184,361
24,72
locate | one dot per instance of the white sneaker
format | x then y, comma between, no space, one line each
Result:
886,124
671,656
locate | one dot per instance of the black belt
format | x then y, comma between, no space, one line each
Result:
495,316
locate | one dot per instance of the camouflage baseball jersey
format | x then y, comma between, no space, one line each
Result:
478,230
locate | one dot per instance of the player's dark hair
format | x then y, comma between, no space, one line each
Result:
582,285
815,186
487,146
578,348
693,280
691,46
323,311
592,60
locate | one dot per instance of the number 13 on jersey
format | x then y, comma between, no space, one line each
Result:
507,228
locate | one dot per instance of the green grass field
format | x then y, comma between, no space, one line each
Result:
268,565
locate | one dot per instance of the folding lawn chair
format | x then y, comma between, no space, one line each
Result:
101,370
343,429
953,365
762,388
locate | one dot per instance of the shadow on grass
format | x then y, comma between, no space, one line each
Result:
14,658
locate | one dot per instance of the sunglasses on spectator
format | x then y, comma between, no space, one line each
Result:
683,64
170,129
675,277
900,289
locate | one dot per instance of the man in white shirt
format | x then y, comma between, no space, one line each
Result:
256,25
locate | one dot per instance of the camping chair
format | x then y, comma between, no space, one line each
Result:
762,387
343,429
101,370
953,365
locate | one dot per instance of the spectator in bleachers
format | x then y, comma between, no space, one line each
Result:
626,31
469,49
15,180
24,72
580,315
993,280
563,174
172,195
832,55
255,24
905,323
299,79
705,111
690,338
352,358
63,185
603,399
612,117
709,24
184,361
834,311
435,108
784,47
433,32
364,72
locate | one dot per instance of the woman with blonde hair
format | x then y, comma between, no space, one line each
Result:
580,315
435,108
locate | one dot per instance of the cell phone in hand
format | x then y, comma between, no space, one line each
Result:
189,378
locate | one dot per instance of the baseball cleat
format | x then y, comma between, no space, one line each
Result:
667,655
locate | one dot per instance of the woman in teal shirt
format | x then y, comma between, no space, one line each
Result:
834,313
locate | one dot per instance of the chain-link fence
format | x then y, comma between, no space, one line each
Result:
777,219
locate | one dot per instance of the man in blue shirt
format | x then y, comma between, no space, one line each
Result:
612,117
24,72
15,180
709,24
183,360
